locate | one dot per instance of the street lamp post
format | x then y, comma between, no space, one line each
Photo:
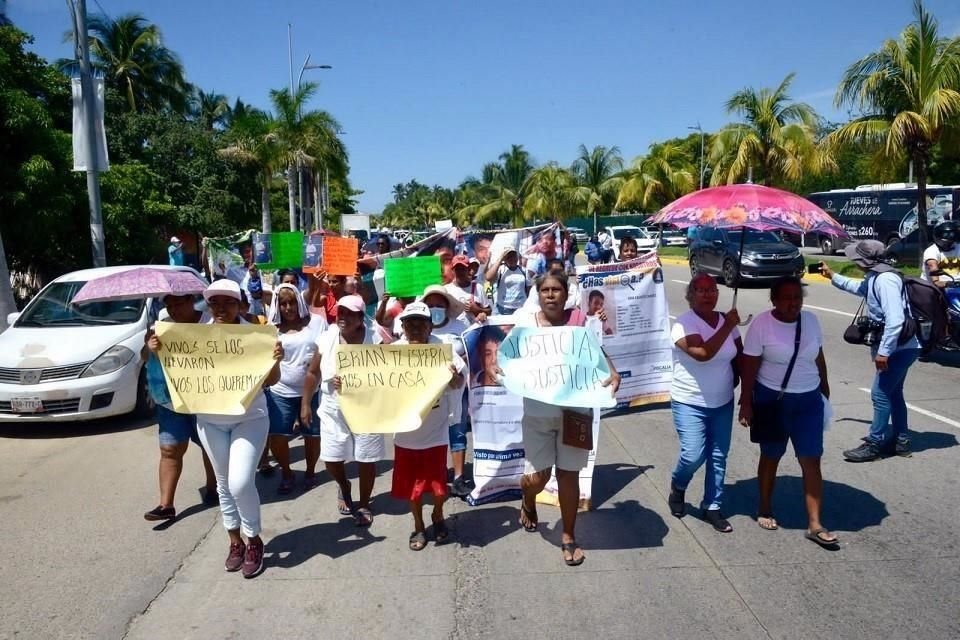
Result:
700,129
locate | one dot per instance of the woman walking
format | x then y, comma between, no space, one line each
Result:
706,345
783,362
298,332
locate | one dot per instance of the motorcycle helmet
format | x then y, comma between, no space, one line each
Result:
945,235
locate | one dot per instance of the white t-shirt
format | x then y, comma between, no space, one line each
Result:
703,384
298,350
433,431
257,408
772,340
511,287
949,261
473,292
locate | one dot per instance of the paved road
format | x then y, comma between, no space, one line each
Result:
83,564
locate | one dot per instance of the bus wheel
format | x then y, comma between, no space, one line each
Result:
826,246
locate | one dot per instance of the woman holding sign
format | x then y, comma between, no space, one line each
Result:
339,445
543,427
298,332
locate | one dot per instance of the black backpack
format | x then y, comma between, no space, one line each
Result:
925,312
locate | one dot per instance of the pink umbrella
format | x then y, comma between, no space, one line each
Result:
138,283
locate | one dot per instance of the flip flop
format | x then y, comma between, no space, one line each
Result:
418,540
532,519
714,517
767,516
571,548
440,531
309,481
817,536
344,505
363,517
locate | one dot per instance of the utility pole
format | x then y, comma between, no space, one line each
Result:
90,124
700,129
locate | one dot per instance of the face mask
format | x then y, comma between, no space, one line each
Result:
438,315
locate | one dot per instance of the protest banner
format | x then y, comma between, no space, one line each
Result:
215,368
225,256
636,334
340,256
312,252
408,277
564,366
389,388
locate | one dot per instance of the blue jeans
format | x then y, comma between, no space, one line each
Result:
704,437
888,402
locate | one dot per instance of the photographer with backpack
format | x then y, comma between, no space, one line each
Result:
893,347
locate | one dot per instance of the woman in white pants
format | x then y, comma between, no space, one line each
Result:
234,444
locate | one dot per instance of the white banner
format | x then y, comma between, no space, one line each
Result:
80,137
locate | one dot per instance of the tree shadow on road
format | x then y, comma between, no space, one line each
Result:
332,539
845,508
48,430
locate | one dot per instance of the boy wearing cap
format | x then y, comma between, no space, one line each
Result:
420,456
175,252
466,290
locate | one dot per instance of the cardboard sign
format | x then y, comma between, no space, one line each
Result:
312,252
340,256
390,388
408,277
215,368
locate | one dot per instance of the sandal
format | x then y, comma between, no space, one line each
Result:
286,487
418,540
770,524
344,505
309,481
677,502
532,520
571,548
714,517
363,517
440,531
817,535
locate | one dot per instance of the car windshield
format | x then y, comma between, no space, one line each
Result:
52,308
633,232
754,236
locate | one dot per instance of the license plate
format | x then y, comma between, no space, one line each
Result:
26,405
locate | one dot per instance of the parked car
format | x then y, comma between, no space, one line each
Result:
906,250
645,242
62,362
579,234
667,237
765,256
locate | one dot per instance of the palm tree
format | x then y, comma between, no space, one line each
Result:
597,174
776,139
909,94
504,184
551,193
209,109
254,142
131,54
656,179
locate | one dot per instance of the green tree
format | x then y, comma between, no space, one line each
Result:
253,143
909,94
657,179
551,193
504,184
130,52
597,172
773,145
209,109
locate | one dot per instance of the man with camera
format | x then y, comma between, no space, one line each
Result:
894,347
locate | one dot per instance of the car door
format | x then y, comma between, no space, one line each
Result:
707,250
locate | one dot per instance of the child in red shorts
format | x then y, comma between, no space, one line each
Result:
420,456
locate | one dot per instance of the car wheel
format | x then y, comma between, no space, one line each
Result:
694,265
826,247
144,407
730,276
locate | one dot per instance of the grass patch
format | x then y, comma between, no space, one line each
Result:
676,252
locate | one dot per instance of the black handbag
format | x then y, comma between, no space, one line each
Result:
767,423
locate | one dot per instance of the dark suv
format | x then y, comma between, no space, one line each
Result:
765,255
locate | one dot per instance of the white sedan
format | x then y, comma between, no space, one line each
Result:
62,362
645,242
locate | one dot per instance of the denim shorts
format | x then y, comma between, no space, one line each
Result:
175,428
285,412
802,420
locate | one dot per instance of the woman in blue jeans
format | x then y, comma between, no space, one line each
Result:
766,375
706,343
892,355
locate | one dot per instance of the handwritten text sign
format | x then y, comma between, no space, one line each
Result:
390,388
563,366
408,277
215,368
340,256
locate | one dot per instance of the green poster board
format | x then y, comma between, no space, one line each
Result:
408,277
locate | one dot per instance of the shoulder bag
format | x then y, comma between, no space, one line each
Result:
767,423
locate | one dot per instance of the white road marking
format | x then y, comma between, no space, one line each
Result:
681,281
929,414
839,313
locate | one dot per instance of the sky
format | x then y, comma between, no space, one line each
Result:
433,90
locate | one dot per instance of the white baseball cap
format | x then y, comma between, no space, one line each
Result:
175,240
415,310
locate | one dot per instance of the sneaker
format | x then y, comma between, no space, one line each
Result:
253,560
160,513
900,448
460,488
235,557
677,502
866,452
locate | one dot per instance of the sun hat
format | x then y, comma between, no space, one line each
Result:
454,306
869,254
415,310
460,261
224,287
352,303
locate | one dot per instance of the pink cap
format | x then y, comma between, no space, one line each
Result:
460,261
352,303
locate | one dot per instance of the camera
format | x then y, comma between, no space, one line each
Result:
871,331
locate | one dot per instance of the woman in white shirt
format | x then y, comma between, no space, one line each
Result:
767,352
706,344
298,332
339,445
